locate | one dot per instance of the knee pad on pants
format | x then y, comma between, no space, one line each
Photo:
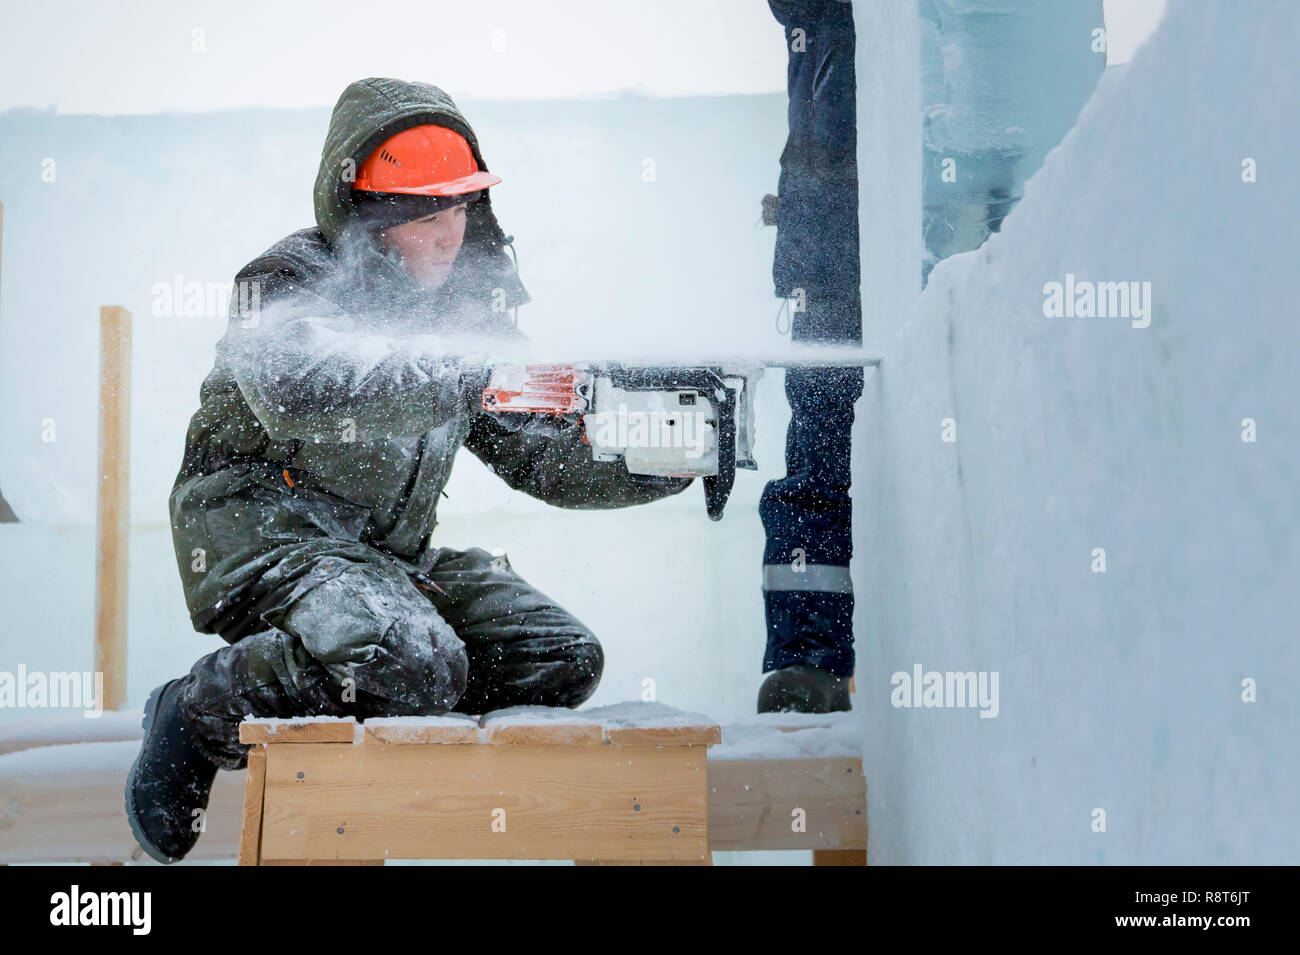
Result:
373,632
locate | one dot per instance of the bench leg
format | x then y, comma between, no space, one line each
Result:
250,835
839,857
708,861
322,862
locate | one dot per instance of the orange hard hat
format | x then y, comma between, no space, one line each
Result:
423,161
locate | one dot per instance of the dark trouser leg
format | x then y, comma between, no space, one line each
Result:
363,642
807,591
807,514
523,649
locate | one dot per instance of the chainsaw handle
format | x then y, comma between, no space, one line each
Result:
717,487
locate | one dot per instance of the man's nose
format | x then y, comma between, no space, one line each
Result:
445,237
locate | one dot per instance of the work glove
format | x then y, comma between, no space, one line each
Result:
549,424
535,422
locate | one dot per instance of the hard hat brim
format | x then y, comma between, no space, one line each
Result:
455,187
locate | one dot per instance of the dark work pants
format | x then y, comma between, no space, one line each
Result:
468,636
808,518
807,592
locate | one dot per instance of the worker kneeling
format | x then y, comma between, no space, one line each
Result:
326,431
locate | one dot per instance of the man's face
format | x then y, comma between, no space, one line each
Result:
429,246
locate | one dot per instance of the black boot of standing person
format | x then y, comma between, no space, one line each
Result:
801,688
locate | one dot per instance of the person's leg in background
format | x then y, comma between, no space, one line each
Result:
807,515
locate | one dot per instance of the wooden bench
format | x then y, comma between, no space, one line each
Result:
61,784
530,783
790,781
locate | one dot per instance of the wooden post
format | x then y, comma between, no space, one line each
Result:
114,516
7,515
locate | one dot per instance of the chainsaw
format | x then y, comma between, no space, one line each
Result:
680,420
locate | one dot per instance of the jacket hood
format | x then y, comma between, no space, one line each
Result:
370,111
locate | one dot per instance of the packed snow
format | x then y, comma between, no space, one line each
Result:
643,713
1122,691
791,736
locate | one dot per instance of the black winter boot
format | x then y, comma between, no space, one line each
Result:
169,780
800,688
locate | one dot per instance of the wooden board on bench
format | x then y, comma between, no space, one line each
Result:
521,783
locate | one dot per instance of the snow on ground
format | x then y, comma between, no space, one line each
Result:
1120,691
791,736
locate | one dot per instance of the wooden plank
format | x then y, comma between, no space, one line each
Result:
706,860
642,862
7,515
652,723
113,515
556,802
665,735
415,733
250,837
544,734
60,730
752,803
322,862
306,730
36,742
78,815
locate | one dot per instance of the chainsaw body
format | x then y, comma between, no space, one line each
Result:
662,420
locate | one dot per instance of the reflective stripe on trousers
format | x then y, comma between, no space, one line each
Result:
824,578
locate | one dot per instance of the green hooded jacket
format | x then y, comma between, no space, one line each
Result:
342,391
